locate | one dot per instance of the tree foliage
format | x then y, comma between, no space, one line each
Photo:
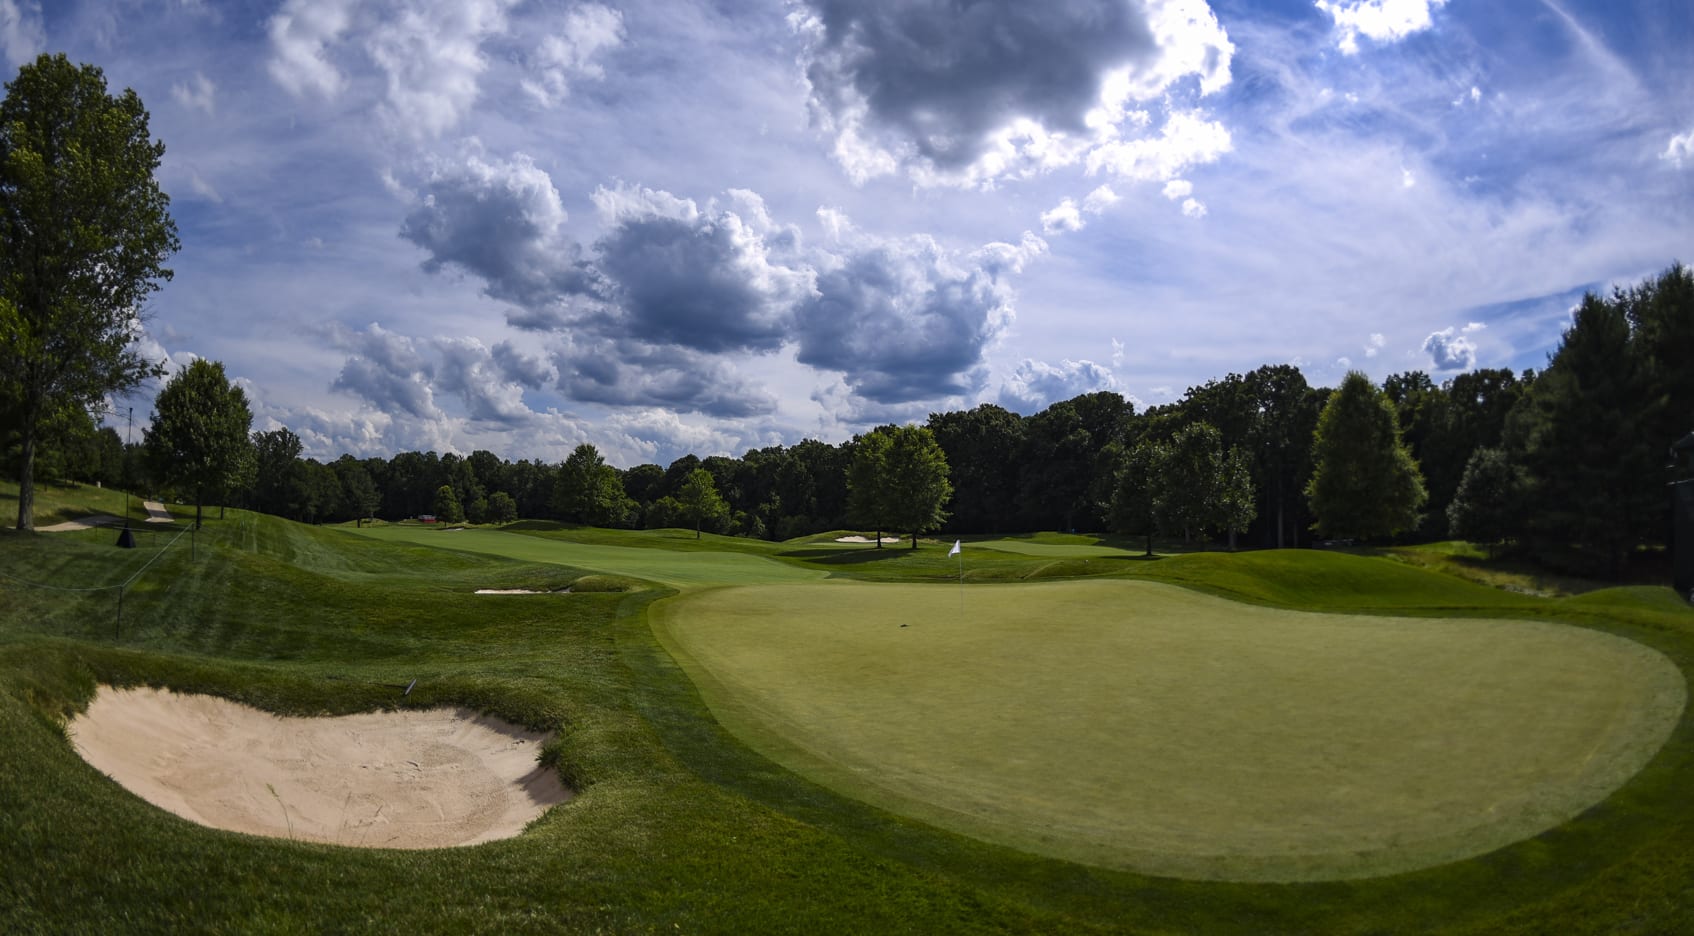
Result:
1585,436
867,496
915,485
1199,486
279,475
1364,480
446,507
1134,492
199,432
84,235
1488,507
590,491
699,501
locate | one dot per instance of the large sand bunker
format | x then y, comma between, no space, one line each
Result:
427,779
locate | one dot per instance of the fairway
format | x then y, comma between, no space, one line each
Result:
1148,727
673,567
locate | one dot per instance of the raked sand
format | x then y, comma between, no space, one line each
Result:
412,779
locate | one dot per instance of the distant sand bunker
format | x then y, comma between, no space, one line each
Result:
428,779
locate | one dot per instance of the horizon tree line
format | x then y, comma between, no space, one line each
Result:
1567,464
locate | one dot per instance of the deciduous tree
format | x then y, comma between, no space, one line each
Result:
700,501
915,481
1488,507
867,495
84,234
1364,481
199,432
590,491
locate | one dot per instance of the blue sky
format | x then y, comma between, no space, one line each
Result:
667,227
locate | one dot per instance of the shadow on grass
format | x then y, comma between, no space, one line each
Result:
845,556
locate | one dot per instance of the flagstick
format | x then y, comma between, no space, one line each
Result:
961,579
961,586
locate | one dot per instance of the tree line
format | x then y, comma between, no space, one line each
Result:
1570,459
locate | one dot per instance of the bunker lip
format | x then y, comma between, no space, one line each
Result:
411,779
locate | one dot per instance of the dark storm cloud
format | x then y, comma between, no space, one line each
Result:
385,370
940,76
678,288
532,372
500,221
467,368
906,320
629,373
697,279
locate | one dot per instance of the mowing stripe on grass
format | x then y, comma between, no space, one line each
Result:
670,567
1148,727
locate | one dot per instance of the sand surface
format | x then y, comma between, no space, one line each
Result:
426,779
85,523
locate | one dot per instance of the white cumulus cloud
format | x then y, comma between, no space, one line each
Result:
431,54
1035,385
301,34
1680,150
571,52
1062,218
1378,20
1450,350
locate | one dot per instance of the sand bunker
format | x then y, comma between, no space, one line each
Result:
85,523
866,539
428,779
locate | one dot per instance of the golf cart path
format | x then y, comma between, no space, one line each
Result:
156,512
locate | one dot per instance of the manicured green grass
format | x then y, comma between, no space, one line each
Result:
56,503
1144,726
680,826
676,564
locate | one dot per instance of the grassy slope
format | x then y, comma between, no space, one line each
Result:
55,503
679,825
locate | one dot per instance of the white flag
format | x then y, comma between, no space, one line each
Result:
955,550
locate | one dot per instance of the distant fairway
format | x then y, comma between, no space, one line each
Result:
677,567
1145,726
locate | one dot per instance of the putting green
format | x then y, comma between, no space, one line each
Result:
1145,726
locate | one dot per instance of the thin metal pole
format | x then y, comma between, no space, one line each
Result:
129,430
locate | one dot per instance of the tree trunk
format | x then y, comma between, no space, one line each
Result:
199,498
914,539
26,479
879,539
1232,541
1149,545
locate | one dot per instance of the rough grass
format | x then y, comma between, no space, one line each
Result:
680,827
